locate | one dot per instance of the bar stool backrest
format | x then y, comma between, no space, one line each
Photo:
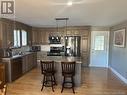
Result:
2,73
47,66
68,67
2,79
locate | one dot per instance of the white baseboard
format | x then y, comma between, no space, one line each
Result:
90,65
119,75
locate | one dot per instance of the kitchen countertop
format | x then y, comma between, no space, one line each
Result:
61,58
17,56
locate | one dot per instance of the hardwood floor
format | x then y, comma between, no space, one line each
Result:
95,81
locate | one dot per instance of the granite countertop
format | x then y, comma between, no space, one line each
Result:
62,58
17,56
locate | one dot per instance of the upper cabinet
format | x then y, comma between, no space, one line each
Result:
7,28
41,35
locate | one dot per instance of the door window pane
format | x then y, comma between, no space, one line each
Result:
99,43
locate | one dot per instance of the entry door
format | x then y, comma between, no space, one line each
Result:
99,48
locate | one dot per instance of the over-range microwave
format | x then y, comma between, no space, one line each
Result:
54,39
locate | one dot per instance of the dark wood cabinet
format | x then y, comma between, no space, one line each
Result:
16,68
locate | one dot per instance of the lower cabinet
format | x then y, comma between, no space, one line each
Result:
16,68
24,65
13,68
29,62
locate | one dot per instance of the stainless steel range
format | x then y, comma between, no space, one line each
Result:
56,50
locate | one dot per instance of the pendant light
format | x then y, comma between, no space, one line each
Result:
62,19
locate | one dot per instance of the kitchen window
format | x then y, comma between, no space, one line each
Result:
20,38
24,38
99,43
17,42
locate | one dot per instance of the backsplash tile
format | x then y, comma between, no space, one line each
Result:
19,50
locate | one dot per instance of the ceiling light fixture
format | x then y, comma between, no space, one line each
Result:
69,3
62,19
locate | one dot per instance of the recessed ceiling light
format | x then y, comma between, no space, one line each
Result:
69,3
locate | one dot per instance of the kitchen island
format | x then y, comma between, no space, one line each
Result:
58,60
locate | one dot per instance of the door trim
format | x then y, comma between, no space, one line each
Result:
91,65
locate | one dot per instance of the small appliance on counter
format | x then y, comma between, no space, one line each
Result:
35,48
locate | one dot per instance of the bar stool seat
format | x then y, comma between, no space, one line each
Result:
48,72
66,73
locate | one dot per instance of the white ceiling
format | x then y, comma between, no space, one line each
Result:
41,13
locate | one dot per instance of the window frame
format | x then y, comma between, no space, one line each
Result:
20,38
17,46
99,43
22,30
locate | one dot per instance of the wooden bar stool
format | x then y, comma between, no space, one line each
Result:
68,71
47,69
3,86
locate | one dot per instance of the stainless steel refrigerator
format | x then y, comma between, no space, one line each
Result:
72,46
